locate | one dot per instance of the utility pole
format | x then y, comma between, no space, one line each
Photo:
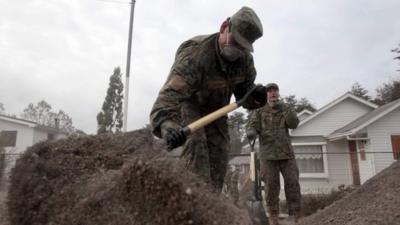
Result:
128,67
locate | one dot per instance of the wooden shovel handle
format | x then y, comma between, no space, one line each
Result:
204,121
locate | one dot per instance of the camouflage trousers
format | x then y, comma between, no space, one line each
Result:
270,170
206,150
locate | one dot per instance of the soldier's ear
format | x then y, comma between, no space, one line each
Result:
224,26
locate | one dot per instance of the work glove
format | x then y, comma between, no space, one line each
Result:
260,94
173,134
251,134
257,98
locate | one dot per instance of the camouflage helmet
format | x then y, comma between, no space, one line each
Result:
246,27
271,85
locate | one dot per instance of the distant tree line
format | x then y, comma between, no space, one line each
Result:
385,93
43,114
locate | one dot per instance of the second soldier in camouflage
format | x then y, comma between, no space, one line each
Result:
272,123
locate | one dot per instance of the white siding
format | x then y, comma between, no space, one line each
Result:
379,133
23,141
307,139
334,118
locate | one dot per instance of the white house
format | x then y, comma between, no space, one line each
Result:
16,135
345,142
356,138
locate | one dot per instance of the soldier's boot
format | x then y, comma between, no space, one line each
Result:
273,219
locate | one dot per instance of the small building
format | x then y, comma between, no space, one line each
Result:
16,135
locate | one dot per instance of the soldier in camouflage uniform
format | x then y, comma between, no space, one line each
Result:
207,71
271,123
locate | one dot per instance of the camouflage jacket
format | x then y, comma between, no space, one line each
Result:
200,78
272,127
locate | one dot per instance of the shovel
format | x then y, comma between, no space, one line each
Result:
254,204
209,118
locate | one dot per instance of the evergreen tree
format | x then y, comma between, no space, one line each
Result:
359,91
388,92
298,105
109,119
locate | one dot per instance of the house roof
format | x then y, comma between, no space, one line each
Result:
304,111
31,124
17,120
365,120
335,102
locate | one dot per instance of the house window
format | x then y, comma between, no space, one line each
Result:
8,138
309,158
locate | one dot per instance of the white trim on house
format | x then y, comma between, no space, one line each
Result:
363,125
18,121
304,111
335,102
355,130
308,143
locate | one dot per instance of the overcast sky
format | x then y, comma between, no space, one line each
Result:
63,51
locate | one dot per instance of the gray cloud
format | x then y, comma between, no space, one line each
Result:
64,51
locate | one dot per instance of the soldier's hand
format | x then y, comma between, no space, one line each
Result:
173,135
251,134
257,98
174,138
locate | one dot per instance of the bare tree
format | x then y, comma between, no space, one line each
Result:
42,114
